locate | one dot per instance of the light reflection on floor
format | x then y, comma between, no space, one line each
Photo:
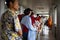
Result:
47,35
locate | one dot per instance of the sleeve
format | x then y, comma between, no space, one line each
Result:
30,26
17,24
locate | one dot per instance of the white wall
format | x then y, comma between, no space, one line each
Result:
1,7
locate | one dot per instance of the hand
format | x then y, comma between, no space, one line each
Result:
20,33
34,25
38,30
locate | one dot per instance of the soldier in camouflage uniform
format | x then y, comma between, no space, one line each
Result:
11,28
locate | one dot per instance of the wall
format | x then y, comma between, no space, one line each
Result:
1,12
58,20
1,7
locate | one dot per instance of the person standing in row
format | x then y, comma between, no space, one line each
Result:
26,20
11,28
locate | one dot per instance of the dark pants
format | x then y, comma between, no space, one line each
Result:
25,36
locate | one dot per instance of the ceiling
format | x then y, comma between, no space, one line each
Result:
40,6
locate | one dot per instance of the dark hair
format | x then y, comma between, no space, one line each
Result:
27,11
8,2
46,23
32,13
37,14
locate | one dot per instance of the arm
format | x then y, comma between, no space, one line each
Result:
18,27
30,25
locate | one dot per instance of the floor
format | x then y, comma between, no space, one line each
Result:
46,36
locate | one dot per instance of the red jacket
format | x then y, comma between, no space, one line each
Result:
33,19
24,28
38,18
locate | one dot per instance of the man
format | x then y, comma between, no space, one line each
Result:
11,29
30,32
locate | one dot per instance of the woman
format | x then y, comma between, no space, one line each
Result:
26,20
11,29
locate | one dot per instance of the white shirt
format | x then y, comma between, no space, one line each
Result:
26,20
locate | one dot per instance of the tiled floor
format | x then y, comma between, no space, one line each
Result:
47,37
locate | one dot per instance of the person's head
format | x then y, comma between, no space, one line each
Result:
37,15
32,13
28,11
12,4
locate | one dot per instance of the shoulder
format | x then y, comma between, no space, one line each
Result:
27,18
5,13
